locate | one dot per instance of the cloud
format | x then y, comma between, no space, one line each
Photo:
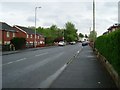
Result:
32,19
59,12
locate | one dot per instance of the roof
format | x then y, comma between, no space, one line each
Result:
114,26
105,32
4,26
27,30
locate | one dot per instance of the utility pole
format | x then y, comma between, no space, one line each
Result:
93,15
35,26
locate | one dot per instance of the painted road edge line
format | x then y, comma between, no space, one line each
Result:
48,82
50,79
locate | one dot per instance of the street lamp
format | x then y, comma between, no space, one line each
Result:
35,24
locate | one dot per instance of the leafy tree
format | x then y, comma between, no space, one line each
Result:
51,33
86,36
93,36
70,32
81,35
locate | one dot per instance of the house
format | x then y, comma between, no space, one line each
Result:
29,35
6,33
113,28
105,33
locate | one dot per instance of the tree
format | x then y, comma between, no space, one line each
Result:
86,36
81,35
93,36
52,33
70,32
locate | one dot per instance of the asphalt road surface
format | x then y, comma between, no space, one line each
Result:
30,69
38,68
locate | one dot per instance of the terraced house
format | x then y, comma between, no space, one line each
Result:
7,33
29,35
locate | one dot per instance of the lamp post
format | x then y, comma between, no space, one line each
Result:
35,25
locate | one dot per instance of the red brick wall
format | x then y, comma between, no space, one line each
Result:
5,38
29,39
24,35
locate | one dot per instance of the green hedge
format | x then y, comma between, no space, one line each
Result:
109,47
19,43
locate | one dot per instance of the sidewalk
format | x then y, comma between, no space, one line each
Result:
24,50
84,72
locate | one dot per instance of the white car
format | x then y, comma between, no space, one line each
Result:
72,43
61,43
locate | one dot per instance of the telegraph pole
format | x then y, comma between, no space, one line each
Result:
93,15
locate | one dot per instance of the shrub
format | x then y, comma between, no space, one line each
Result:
109,47
19,43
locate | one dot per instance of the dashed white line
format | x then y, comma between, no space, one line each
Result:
20,59
9,63
14,61
40,54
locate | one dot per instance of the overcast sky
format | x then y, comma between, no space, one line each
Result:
59,12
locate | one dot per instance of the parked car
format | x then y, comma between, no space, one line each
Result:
61,43
84,43
72,43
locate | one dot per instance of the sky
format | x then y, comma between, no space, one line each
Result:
59,12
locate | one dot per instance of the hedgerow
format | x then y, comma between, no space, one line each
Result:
109,46
19,43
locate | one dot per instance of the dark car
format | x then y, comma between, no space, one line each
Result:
84,43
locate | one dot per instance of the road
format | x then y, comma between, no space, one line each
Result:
31,69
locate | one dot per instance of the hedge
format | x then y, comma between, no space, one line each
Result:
109,46
19,43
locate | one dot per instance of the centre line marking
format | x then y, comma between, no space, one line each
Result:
15,61
20,60
40,54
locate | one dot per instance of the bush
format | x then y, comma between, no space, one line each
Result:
19,43
5,47
109,47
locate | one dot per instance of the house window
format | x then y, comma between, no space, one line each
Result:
31,36
38,37
13,34
27,36
8,34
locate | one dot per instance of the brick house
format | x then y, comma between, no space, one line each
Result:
6,33
29,35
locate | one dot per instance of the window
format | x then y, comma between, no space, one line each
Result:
27,36
8,34
38,37
31,36
13,34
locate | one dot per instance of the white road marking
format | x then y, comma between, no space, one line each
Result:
9,63
50,79
41,54
14,61
91,56
20,59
